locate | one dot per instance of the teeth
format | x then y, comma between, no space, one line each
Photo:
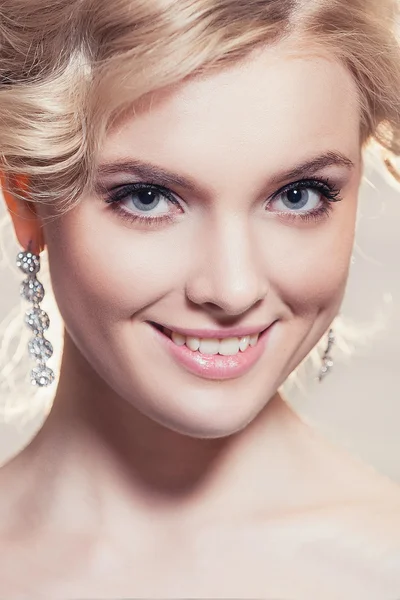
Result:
225,347
254,339
209,346
244,343
229,346
177,338
192,343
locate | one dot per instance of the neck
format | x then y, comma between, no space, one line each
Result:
93,434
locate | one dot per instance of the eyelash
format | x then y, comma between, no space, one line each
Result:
328,191
122,192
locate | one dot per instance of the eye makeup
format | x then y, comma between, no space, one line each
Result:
118,196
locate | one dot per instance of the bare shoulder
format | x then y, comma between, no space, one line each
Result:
360,507
370,524
349,541
342,551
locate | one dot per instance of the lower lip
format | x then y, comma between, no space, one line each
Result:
215,366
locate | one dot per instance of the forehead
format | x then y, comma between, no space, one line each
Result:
276,106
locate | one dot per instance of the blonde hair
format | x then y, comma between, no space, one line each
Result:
70,68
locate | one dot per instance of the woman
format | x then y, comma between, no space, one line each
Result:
192,168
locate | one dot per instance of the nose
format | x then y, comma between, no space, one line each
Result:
228,277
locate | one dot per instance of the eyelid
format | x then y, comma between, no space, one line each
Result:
119,192
320,183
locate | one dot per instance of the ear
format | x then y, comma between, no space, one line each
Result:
26,221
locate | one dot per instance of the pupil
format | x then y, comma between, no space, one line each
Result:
294,196
147,196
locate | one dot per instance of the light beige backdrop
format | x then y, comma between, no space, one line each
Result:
358,405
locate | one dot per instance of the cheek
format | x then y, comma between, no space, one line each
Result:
311,272
105,271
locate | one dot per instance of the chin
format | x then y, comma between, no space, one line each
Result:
204,429
215,417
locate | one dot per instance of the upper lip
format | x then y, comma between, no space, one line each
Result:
217,333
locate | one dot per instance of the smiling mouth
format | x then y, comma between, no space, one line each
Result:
228,346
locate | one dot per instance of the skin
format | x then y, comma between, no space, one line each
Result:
160,482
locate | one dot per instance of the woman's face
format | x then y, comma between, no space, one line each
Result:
226,221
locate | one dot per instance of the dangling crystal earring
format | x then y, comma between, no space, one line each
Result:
327,361
32,290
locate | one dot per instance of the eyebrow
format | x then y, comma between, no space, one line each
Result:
148,172
312,166
156,174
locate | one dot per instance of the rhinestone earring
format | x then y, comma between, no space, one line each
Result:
37,320
327,361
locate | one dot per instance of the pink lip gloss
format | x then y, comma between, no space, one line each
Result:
214,366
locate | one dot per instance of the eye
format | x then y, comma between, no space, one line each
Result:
143,198
144,201
305,199
298,199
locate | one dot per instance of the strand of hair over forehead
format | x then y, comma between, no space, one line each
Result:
70,68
